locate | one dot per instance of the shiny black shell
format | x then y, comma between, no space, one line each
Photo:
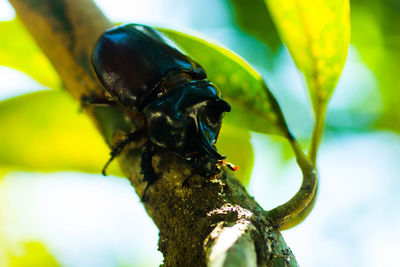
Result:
132,60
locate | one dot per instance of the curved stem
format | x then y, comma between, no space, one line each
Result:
299,206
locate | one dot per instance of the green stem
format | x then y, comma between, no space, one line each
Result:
299,206
298,217
317,134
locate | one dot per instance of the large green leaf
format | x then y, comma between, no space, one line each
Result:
253,105
317,34
18,50
45,131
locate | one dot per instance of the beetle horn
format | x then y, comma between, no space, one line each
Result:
222,105
208,148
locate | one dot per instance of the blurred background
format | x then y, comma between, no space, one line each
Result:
74,219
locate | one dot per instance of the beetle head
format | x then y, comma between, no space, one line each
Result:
187,120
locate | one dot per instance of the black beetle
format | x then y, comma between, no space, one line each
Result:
143,71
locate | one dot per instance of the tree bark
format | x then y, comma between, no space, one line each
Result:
209,223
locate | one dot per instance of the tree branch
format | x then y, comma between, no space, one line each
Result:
212,222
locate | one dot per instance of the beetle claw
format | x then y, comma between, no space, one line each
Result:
144,197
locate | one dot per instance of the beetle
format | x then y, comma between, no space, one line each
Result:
145,72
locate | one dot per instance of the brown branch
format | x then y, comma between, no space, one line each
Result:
212,222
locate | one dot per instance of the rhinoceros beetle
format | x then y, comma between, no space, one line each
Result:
144,72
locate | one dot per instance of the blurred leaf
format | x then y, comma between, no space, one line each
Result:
378,42
235,144
3,171
18,50
240,84
44,131
31,254
250,15
317,34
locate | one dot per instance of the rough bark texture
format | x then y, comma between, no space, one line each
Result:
211,222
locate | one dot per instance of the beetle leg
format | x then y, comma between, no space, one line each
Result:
117,148
147,168
97,101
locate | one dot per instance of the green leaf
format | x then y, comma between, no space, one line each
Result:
44,131
240,84
317,34
18,50
378,44
31,253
